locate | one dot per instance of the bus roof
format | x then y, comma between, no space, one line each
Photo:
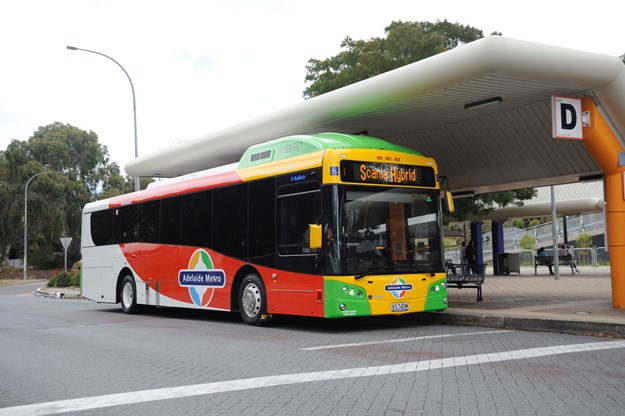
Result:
264,153
291,146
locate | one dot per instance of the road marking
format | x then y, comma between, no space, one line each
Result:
109,400
392,341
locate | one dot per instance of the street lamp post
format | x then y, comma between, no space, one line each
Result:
25,265
134,101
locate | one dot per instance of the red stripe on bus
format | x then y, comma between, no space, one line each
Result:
185,187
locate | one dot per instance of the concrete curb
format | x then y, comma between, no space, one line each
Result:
527,324
56,293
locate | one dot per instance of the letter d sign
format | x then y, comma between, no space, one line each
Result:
567,118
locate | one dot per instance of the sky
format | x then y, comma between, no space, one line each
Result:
200,66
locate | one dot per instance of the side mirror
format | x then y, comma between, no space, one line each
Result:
316,240
448,201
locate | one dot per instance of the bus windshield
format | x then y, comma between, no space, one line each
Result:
390,230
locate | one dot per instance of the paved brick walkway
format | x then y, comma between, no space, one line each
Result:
573,303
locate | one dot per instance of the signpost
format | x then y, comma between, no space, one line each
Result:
65,241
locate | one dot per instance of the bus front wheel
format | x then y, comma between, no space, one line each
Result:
252,299
128,295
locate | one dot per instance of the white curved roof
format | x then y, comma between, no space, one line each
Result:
503,146
571,199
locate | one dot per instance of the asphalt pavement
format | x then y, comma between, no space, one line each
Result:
577,304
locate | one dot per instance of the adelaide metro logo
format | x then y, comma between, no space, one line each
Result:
398,287
201,278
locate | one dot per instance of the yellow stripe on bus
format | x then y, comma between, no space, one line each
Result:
294,164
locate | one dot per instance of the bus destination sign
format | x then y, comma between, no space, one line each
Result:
387,173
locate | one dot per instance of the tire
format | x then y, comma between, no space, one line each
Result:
252,299
128,295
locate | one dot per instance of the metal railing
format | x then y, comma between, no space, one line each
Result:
586,223
592,223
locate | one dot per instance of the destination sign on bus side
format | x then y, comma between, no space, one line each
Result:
387,173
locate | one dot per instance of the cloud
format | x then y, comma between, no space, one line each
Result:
199,66
198,63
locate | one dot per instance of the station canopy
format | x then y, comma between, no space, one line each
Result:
483,111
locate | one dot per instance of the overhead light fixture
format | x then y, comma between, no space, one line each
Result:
463,194
591,178
483,103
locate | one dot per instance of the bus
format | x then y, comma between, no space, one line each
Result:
321,225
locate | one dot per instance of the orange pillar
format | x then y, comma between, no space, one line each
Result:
604,147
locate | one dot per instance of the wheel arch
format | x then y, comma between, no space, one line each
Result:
236,284
118,285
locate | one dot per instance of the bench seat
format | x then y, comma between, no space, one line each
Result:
565,260
461,276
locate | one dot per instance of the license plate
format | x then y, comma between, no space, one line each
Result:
399,307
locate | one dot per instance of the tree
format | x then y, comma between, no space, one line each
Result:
80,173
583,240
405,43
527,242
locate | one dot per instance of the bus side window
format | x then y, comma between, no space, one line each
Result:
171,220
126,224
102,227
149,213
262,222
196,219
230,220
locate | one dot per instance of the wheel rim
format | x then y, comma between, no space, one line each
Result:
250,300
128,295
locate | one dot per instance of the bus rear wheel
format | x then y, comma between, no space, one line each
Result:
128,295
252,299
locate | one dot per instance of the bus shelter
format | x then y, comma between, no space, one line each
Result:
497,114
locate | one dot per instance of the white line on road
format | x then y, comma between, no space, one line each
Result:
392,341
109,400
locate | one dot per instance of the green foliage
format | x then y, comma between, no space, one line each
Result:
527,242
64,280
79,172
584,240
479,205
520,224
405,43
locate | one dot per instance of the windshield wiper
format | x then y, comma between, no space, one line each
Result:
374,270
418,267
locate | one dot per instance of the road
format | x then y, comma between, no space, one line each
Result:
61,356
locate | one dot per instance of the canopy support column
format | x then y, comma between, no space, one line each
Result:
498,244
604,147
